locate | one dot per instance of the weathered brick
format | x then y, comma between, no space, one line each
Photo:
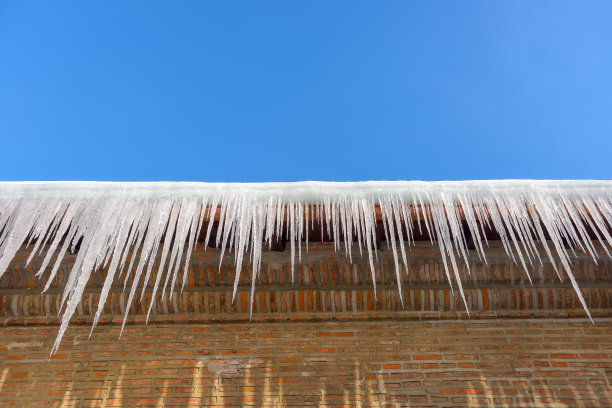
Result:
293,352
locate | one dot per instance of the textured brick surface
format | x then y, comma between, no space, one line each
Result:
546,362
328,282
322,340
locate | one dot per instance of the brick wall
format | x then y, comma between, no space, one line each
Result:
547,362
323,340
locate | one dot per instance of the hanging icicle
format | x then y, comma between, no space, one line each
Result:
111,222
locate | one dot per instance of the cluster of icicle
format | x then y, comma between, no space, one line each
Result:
114,222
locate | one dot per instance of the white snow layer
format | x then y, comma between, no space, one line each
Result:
113,221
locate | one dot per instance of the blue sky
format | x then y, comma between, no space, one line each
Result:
317,90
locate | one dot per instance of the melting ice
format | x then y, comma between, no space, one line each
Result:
114,222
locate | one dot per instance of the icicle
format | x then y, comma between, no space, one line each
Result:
258,233
291,226
300,229
386,210
183,225
109,223
158,225
131,212
167,227
370,233
357,224
244,226
270,220
398,223
211,219
194,232
307,214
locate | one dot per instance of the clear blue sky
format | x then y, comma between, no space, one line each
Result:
305,90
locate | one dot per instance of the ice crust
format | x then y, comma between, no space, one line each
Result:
114,222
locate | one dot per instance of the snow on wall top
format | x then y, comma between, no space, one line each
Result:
115,220
304,190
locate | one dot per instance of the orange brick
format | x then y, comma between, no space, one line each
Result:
598,355
290,360
430,357
470,391
564,356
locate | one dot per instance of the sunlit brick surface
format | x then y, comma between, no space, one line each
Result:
547,362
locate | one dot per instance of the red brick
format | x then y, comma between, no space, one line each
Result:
599,355
429,357
470,391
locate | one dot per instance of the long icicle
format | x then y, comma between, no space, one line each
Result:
108,224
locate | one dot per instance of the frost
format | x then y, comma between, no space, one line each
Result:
108,224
